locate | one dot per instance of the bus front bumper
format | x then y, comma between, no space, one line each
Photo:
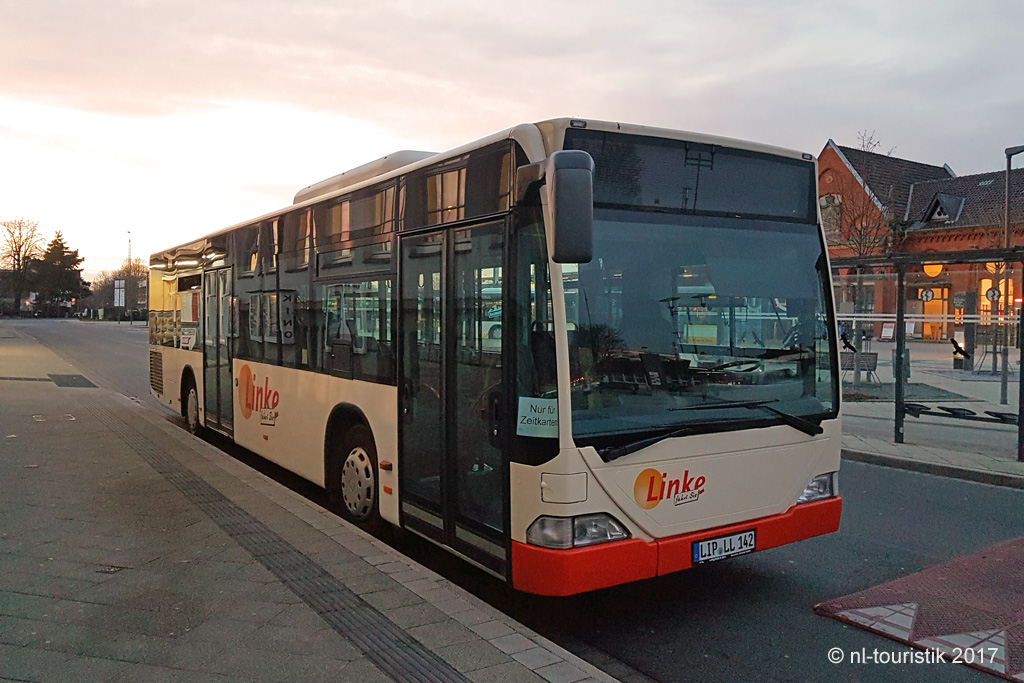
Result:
545,571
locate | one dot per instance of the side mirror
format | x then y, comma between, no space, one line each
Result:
569,175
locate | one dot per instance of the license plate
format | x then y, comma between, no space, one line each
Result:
723,546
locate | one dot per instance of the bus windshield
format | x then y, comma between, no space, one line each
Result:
683,320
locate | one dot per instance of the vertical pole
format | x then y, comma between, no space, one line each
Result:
993,319
970,328
1004,334
901,345
1005,298
128,275
858,332
1020,384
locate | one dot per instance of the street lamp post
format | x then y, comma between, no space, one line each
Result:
128,275
1010,153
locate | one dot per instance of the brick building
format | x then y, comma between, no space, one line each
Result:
874,204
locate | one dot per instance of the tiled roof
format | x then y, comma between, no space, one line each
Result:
889,178
983,200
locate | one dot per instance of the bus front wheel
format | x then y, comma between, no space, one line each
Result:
355,486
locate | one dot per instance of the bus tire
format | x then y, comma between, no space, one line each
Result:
354,488
190,406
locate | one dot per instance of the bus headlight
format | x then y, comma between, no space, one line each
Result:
550,532
822,486
574,532
599,528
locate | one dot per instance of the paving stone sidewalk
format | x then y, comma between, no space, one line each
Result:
994,470
986,461
130,550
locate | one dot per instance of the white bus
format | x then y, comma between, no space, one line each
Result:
660,391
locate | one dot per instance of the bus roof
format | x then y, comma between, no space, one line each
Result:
538,140
353,176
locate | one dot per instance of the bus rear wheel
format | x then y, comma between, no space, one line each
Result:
354,488
190,407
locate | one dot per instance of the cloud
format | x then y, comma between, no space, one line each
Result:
444,67
189,115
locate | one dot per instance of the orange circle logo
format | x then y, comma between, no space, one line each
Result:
245,391
647,489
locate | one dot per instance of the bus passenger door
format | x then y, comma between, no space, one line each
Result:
454,475
217,383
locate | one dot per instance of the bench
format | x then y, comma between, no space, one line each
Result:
956,412
1008,418
868,363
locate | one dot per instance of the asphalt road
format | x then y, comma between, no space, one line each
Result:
751,618
117,354
745,619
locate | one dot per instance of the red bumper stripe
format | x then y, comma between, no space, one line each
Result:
565,572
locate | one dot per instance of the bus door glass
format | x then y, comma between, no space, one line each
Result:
451,463
217,382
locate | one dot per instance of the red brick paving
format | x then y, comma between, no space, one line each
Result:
976,602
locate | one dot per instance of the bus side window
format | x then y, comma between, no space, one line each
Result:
372,331
535,358
357,330
542,348
337,343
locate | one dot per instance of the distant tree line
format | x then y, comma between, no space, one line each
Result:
52,273
134,274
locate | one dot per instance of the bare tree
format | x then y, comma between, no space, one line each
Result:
102,295
133,272
21,243
859,217
868,143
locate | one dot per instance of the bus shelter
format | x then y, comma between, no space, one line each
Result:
960,311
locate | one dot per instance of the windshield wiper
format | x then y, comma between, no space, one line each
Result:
795,421
616,452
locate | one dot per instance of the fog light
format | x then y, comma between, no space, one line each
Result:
822,486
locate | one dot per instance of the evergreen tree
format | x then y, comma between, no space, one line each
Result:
58,278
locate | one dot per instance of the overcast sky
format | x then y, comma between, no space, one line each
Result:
174,118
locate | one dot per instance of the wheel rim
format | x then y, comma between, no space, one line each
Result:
192,410
357,484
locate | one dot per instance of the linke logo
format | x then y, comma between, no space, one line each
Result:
651,487
255,398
